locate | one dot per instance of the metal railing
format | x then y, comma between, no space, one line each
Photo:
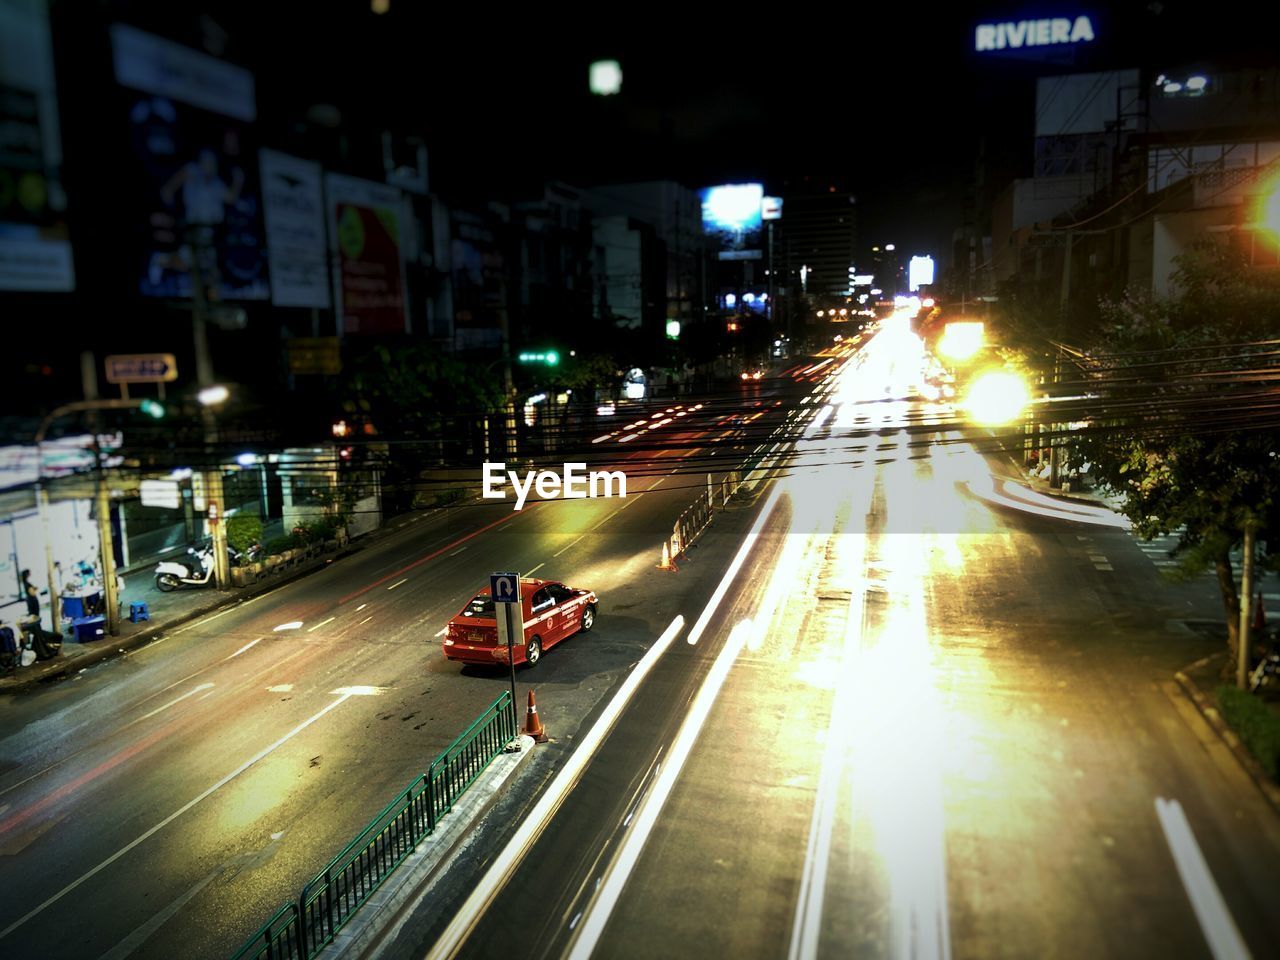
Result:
300,929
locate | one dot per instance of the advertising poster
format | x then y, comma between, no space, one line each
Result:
479,290
35,247
189,117
293,202
365,220
732,215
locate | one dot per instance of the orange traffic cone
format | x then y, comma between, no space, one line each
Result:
532,725
667,563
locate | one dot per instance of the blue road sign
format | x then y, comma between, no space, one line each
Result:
505,587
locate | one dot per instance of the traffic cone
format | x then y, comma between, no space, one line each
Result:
532,725
667,563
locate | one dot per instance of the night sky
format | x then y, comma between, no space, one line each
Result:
887,100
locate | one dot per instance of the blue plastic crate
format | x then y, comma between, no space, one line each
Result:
89,628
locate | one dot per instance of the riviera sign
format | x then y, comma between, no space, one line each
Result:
574,483
1033,33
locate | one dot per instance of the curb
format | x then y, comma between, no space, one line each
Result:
1228,736
114,646
54,668
377,921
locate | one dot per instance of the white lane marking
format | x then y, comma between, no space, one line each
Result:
190,693
364,621
398,582
133,941
169,819
1219,929
543,564
483,893
732,572
1103,566
564,548
443,632
630,501
807,926
231,609
361,607
600,909
280,688
455,553
320,624
291,625
244,648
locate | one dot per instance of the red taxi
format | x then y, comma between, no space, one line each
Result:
552,612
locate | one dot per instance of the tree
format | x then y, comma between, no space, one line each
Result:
1199,475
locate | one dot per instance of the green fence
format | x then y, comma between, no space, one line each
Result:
299,929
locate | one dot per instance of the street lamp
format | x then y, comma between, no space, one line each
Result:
105,546
210,397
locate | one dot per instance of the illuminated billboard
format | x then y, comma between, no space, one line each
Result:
920,272
732,214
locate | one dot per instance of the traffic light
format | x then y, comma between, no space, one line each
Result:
152,408
550,357
673,329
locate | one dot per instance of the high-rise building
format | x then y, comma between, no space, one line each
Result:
817,237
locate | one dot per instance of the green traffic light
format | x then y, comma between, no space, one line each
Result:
552,358
152,408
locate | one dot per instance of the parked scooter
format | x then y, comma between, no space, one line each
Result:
170,574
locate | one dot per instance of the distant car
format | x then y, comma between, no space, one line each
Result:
551,613
753,374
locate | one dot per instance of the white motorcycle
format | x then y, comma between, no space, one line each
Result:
199,573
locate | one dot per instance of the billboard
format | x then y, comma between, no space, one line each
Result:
189,116
293,202
920,272
365,221
731,213
35,247
479,290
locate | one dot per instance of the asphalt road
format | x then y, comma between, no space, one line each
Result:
165,803
933,716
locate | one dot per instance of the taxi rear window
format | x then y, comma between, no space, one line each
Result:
481,606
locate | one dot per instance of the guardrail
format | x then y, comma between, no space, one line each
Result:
697,517
300,929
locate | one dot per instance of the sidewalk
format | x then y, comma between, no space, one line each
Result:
167,610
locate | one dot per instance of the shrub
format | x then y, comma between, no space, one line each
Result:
278,545
1257,727
243,530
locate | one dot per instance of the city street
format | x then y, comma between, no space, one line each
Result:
920,724
166,803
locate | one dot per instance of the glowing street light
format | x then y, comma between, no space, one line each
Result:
212,396
961,340
997,398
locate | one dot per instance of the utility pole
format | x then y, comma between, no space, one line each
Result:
204,380
110,596
1246,593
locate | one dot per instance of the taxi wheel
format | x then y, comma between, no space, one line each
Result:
588,618
533,652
